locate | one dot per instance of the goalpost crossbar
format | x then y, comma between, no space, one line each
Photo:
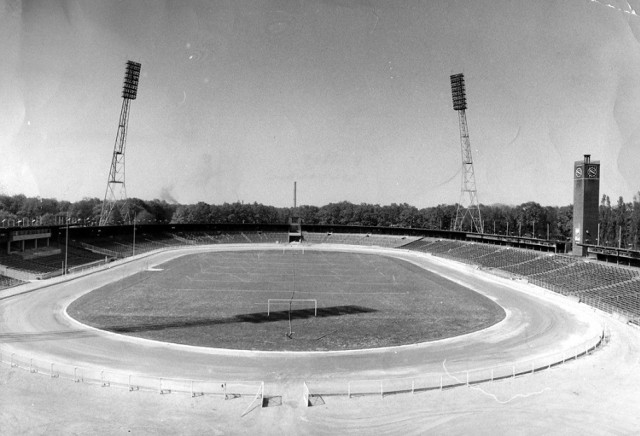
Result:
290,301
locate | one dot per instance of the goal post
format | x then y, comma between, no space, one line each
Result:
271,301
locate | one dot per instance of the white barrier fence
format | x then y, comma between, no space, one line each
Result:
226,389
446,379
311,390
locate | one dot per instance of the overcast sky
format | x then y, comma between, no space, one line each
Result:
351,99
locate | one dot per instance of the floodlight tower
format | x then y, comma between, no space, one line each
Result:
116,190
468,205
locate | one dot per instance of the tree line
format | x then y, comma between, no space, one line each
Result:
619,222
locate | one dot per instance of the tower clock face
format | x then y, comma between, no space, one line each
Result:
592,171
578,172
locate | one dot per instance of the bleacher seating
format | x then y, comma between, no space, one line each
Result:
605,286
471,253
315,238
55,262
366,239
443,247
420,245
116,245
164,240
267,237
539,264
582,276
8,282
15,261
387,241
608,287
507,258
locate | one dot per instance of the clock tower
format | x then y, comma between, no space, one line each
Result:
586,197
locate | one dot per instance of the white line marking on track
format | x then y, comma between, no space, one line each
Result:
489,394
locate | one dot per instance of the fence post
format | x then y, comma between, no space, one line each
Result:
11,360
531,367
467,378
491,374
514,370
413,386
381,390
224,386
306,394
348,385
162,390
104,383
440,382
261,395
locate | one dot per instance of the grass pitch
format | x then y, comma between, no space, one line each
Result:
219,299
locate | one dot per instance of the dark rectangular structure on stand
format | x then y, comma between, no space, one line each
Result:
586,197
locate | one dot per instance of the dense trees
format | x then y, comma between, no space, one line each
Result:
19,210
619,222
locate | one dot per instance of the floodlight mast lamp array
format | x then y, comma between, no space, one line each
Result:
468,205
116,189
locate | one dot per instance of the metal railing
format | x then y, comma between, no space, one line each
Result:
226,389
445,379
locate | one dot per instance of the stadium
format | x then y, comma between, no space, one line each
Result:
126,319
519,324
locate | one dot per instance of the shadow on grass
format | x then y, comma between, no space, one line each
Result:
252,318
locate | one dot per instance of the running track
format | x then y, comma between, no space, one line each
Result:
538,323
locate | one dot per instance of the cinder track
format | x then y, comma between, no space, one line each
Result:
35,324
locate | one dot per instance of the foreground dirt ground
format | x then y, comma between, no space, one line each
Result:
597,394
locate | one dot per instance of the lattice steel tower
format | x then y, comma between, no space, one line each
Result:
468,205
116,189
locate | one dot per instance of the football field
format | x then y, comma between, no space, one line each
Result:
221,300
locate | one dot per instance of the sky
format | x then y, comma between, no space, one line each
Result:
350,98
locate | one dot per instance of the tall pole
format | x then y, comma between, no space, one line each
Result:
66,246
116,190
620,237
468,205
134,236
